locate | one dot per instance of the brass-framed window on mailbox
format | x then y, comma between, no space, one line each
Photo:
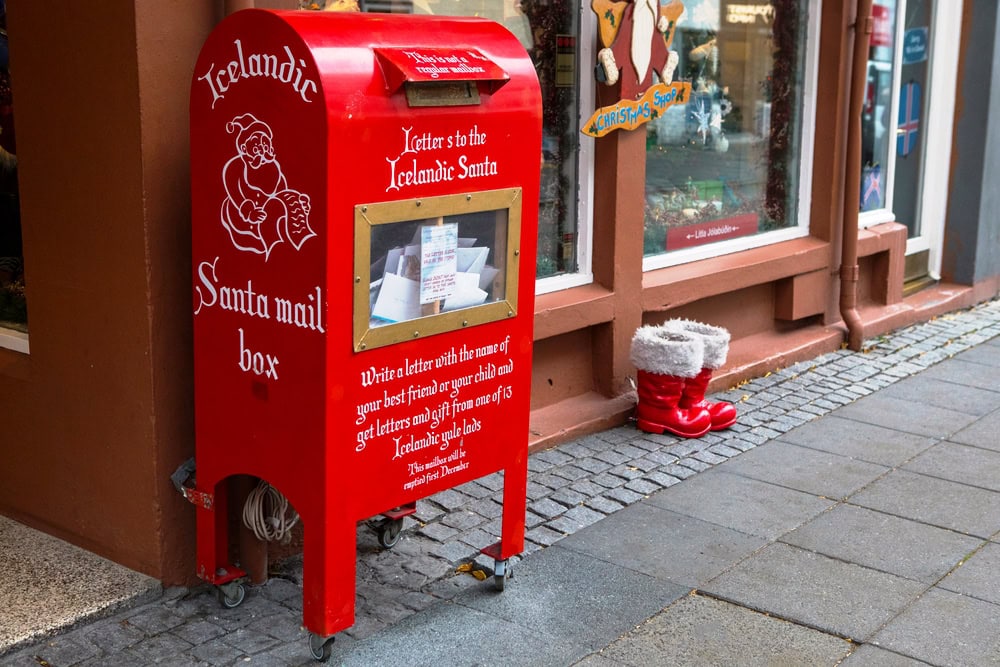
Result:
433,264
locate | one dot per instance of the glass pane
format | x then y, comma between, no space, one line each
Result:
431,266
548,31
725,164
13,307
913,95
876,119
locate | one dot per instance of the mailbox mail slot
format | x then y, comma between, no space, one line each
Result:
365,198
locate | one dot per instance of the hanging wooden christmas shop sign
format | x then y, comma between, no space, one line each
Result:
636,36
629,114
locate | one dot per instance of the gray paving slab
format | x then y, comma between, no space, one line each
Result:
868,655
960,463
982,354
979,576
984,432
859,440
908,416
939,502
578,598
946,628
884,542
944,394
664,544
968,373
747,505
452,634
592,660
697,630
804,469
815,590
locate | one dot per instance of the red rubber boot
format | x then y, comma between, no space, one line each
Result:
658,410
716,342
723,414
665,361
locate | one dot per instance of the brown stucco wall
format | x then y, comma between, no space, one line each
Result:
169,36
99,414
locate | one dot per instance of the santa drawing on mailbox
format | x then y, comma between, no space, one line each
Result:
260,210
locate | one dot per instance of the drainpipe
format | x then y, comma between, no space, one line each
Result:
852,183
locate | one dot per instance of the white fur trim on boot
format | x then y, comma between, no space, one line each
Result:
716,339
657,350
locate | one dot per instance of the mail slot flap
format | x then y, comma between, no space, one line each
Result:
424,65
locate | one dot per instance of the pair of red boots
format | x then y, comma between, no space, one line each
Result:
675,362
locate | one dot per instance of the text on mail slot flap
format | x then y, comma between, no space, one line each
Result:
437,64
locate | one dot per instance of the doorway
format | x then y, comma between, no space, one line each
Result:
907,119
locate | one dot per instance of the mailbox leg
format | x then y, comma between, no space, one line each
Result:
515,492
515,500
213,547
328,576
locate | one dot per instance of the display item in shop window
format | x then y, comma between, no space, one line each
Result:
708,52
907,136
330,5
260,210
871,188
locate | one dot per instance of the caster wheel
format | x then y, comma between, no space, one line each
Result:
321,648
389,531
501,572
231,595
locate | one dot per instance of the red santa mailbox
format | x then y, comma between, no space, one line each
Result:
364,212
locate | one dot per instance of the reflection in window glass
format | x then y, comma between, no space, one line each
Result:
426,267
725,164
548,31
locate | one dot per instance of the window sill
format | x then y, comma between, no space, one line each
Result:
675,286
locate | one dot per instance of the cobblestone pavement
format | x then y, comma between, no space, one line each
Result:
569,487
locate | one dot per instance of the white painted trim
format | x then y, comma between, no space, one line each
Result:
942,85
875,217
14,340
808,140
562,281
675,257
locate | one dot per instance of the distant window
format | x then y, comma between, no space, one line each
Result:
13,307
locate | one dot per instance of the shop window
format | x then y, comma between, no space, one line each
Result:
549,31
723,170
13,306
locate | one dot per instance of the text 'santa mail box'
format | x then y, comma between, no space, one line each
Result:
365,199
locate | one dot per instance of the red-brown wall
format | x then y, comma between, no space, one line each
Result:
99,414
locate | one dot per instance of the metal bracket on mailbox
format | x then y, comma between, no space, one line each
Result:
181,476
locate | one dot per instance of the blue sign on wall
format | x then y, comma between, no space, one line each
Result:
914,46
